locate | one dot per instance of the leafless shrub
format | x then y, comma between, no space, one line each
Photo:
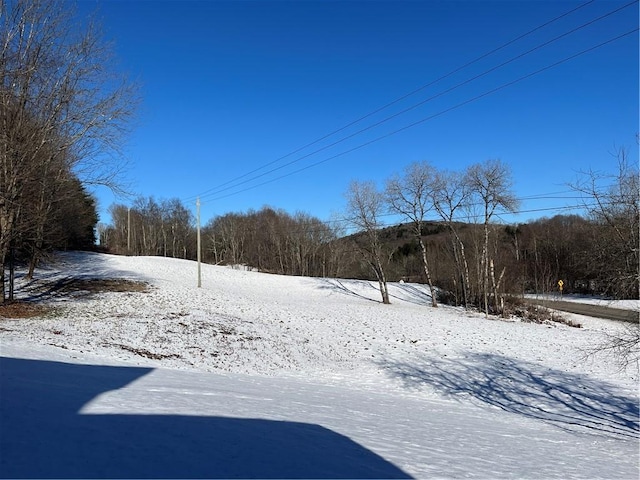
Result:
623,347
527,312
446,297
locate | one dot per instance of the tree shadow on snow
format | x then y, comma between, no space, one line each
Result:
399,291
569,401
409,293
338,286
44,435
66,274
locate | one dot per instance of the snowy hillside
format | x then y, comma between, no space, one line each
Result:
258,375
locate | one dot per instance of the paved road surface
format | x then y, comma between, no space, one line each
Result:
588,309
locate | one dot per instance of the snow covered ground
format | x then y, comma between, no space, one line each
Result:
257,375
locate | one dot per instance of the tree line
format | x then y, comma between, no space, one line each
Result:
150,227
269,240
447,237
62,116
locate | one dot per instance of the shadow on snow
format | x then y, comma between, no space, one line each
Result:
54,280
45,436
404,292
569,401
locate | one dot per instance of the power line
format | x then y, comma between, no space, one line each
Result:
460,217
322,226
217,191
403,97
430,117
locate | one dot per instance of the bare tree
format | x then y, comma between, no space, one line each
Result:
58,98
490,183
150,225
334,251
450,196
63,217
232,230
412,196
50,181
272,241
613,203
623,347
115,235
178,222
365,204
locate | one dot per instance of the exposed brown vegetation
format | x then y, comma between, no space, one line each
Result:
100,285
23,310
87,286
535,313
145,353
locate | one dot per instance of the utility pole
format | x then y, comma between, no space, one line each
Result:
198,242
129,231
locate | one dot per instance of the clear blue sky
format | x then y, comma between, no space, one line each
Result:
229,87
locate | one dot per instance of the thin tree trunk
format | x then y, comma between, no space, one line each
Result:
12,272
498,288
33,261
174,239
465,266
164,241
467,280
382,282
8,220
425,264
485,269
3,297
494,286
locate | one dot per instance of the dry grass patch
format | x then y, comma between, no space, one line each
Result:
68,286
99,285
23,310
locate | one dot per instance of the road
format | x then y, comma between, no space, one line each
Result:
588,309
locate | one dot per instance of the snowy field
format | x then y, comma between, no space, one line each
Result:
265,376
